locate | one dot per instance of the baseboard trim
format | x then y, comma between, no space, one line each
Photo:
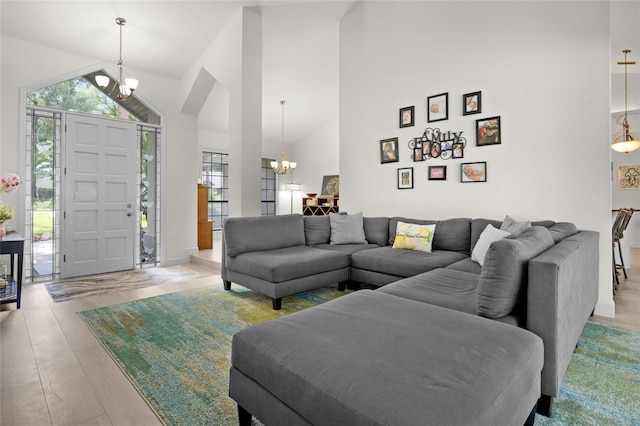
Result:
606,309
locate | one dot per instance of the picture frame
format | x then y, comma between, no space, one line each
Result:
418,154
629,176
488,131
438,107
405,178
437,173
330,186
472,103
458,150
407,116
473,172
389,151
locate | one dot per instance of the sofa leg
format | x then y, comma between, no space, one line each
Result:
544,405
532,417
244,417
227,285
277,303
342,286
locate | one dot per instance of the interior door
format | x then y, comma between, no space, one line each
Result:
99,193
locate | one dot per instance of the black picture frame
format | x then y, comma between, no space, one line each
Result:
458,150
488,131
405,178
407,116
472,103
418,154
389,151
438,107
473,172
437,173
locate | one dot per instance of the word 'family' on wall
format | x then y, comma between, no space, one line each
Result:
435,143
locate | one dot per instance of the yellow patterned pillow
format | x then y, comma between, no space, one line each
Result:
412,236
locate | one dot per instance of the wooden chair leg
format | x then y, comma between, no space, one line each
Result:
624,269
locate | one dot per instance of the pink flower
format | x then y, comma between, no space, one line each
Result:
9,182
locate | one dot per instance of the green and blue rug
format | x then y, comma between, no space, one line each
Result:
175,349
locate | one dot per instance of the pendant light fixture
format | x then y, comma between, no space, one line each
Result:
125,86
284,166
626,142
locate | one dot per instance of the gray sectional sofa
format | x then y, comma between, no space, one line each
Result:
543,278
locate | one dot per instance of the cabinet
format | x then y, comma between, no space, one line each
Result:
12,244
205,227
319,206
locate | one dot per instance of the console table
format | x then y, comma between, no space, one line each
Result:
13,245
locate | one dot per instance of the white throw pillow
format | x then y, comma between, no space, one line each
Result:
489,235
414,236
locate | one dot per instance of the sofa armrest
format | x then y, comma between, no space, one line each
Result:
561,295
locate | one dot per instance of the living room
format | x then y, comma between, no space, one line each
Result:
533,62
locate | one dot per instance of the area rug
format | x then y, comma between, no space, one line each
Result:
175,349
71,288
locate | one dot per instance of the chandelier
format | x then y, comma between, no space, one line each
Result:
284,166
126,86
626,142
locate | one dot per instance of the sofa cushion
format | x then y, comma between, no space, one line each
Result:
448,288
288,263
347,229
488,236
467,265
514,227
402,263
376,230
452,235
317,230
255,234
562,230
504,275
346,248
411,236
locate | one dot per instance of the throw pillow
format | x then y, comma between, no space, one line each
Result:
514,227
489,235
413,236
347,229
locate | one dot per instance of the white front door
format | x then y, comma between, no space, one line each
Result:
99,194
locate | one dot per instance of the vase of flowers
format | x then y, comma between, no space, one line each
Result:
6,213
8,183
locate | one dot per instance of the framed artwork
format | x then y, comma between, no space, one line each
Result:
629,176
438,107
473,172
418,154
488,131
472,103
389,150
437,172
330,185
405,178
407,116
458,150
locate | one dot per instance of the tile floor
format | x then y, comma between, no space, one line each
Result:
53,371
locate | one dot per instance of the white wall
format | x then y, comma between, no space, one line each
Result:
542,66
26,64
317,155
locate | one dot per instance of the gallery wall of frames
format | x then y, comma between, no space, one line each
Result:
437,143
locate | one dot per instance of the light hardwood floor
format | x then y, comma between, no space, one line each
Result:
54,371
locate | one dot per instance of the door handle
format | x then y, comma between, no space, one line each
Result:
129,214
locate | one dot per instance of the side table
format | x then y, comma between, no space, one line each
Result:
13,245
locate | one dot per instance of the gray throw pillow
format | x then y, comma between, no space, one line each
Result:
514,227
347,229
